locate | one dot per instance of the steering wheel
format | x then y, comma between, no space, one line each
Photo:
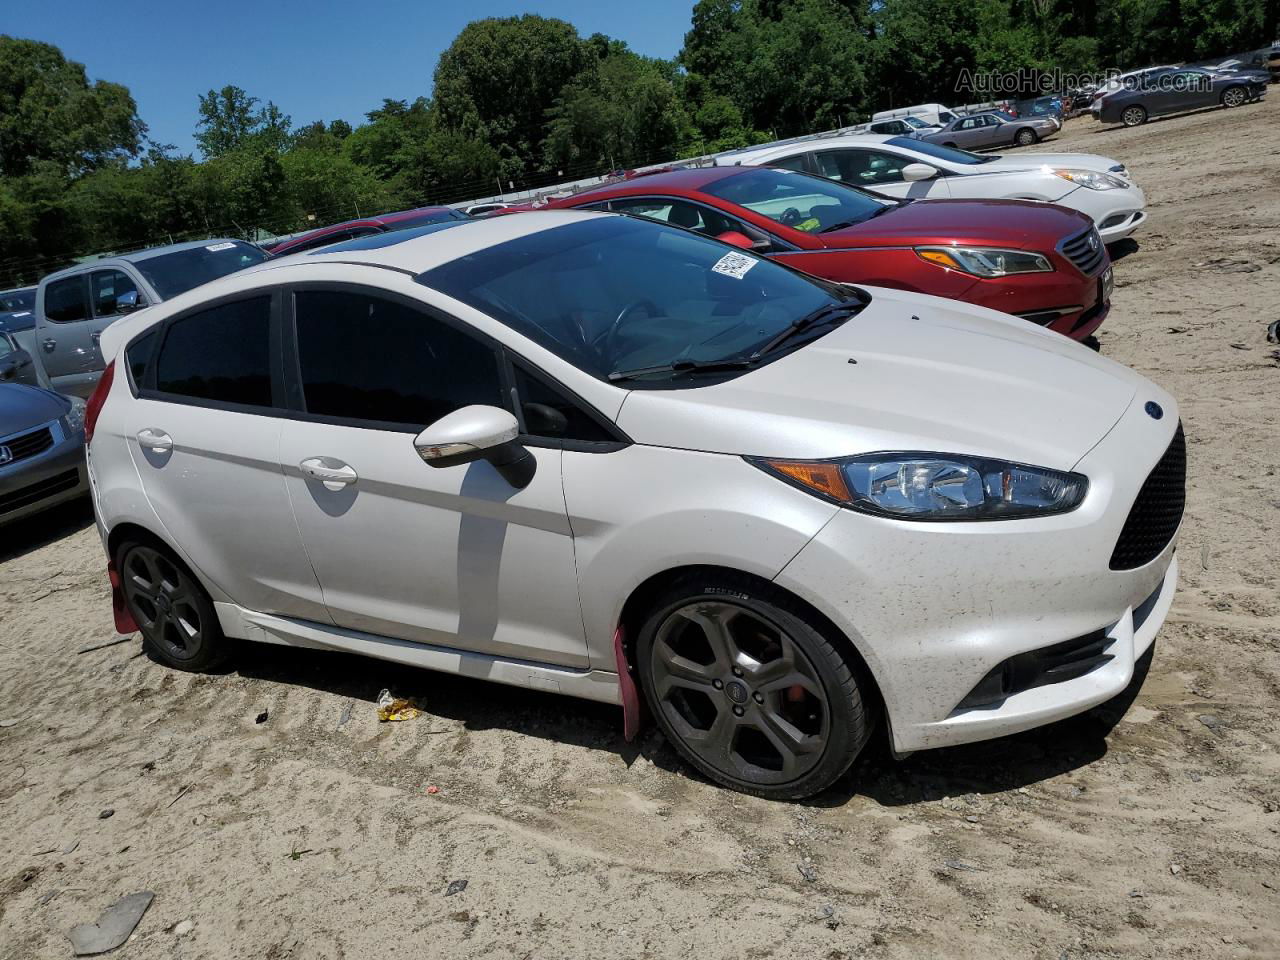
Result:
791,216
611,336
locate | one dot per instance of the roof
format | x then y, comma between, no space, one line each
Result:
137,256
692,180
414,251
753,154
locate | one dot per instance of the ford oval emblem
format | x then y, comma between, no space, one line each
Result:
1154,410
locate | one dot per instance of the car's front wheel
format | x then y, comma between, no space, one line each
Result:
751,691
1234,96
1025,137
178,623
1134,116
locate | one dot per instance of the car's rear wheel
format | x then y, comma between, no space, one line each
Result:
1134,116
1234,96
749,690
178,623
1025,137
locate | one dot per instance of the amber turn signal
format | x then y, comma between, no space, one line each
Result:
824,478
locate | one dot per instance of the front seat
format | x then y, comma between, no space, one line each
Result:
684,215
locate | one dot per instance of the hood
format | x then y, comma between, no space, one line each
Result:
1033,161
930,374
23,407
1016,223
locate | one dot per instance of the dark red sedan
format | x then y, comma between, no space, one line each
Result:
1043,262
383,223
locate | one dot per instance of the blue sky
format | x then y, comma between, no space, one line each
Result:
316,60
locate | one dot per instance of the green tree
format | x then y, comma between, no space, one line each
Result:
499,76
50,113
230,120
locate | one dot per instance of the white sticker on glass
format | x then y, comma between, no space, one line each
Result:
734,265
215,247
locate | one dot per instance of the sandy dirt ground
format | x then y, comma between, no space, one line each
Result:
1149,828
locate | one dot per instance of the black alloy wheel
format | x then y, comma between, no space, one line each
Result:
750,693
175,615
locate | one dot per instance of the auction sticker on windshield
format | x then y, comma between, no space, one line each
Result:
215,247
734,265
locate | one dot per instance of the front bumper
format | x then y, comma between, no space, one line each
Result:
934,607
1117,212
45,480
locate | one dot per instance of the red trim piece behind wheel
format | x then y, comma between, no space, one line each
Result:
627,688
124,619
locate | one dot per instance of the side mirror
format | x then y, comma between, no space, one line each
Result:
474,433
129,301
918,171
736,239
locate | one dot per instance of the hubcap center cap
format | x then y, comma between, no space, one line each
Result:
163,603
737,691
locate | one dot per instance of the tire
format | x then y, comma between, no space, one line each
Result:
1025,137
1234,97
784,729
1134,116
174,613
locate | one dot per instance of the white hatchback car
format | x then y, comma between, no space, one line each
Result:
909,168
595,455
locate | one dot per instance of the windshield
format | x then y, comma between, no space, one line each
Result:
421,219
174,273
12,301
615,293
914,122
938,151
798,200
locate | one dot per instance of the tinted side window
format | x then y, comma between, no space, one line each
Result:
219,354
797,162
138,356
111,289
365,358
64,300
549,413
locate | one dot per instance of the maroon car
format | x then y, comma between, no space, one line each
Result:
1043,262
383,223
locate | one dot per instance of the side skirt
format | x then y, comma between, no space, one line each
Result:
598,685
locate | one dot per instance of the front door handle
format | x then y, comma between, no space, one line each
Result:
334,474
49,344
157,441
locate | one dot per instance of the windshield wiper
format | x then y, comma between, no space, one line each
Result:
827,314
682,366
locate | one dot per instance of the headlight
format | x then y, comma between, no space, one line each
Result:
75,416
1092,179
985,261
935,486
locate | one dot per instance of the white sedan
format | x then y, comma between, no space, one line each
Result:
597,455
910,168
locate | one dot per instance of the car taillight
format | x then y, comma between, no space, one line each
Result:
96,399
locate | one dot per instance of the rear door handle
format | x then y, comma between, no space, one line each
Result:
157,441
49,344
96,336
334,474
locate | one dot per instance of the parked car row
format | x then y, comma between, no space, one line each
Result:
1164,90
781,448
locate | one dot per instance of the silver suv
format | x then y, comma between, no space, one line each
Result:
74,305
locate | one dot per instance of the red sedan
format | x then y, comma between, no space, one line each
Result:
383,223
1042,262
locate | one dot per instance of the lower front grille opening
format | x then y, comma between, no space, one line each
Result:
1037,668
25,496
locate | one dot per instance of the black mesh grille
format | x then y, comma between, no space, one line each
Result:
25,496
1086,255
1156,513
29,444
